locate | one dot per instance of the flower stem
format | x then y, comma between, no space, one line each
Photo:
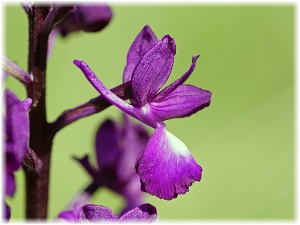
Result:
91,107
37,164
37,181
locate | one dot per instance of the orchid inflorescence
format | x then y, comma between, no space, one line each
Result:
130,161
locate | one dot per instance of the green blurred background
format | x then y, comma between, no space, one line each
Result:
244,141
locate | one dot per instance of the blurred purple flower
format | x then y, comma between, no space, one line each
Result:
166,167
89,18
84,17
117,147
17,134
16,138
145,213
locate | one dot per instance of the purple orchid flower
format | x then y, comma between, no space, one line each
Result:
166,167
17,134
145,213
16,143
117,147
89,18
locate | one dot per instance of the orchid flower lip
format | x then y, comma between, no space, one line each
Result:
167,182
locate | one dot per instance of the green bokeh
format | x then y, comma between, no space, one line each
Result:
244,141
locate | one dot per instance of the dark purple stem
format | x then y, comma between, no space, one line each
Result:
37,163
37,181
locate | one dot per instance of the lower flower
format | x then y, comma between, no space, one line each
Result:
166,167
145,213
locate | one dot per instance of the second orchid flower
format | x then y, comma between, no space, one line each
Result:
166,166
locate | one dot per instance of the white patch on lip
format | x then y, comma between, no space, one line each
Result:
177,145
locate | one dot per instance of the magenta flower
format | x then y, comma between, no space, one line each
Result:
82,17
16,143
166,167
89,18
17,135
145,213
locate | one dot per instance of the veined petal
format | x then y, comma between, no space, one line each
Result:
178,82
145,213
183,101
166,167
97,213
144,41
153,70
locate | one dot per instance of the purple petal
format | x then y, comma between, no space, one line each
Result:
181,80
182,102
107,149
153,70
144,41
17,125
90,18
97,213
166,167
145,213
111,97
